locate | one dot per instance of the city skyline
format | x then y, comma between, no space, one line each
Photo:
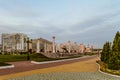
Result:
89,21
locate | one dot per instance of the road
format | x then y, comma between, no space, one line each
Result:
78,69
27,65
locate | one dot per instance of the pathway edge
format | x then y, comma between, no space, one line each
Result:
5,67
35,62
105,72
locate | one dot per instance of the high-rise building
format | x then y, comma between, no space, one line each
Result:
14,42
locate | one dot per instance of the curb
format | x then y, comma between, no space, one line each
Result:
4,67
106,73
57,60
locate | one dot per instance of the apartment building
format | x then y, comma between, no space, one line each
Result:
41,45
82,48
14,42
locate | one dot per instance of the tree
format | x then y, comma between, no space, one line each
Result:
115,47
114,61
106,52
103,53
115,55
112,57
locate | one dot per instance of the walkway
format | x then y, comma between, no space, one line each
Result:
83,69
27,65
68,76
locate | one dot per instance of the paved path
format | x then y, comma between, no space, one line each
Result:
82,69
67,76
27,65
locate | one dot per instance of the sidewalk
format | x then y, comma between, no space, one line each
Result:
84,65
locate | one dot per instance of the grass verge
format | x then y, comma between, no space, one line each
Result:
4,64
104,68
23,57
44,58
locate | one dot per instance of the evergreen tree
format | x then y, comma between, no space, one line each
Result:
102,54
115,47
112,57
114,61
106,52
115,55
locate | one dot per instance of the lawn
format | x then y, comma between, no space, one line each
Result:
11,58
4,64
23,57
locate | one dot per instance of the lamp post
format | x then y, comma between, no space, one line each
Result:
69,46
17,37
28,48
53,43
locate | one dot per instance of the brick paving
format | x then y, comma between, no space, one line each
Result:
67,76
28,66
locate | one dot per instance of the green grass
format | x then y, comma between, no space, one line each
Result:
34,57
41,58
23,57
11,58
4,64
104,68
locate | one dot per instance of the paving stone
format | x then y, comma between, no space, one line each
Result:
68,76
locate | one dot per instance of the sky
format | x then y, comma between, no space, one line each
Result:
83,21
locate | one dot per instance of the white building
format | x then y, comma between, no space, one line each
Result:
14,42
41,45
82,48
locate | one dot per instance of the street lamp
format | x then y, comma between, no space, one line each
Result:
53,44
28,49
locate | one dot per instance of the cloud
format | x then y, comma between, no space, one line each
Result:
95,22
95,31
18,16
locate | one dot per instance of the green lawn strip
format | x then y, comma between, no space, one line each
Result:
33,57
39,57
103,67
12,58
52,59
23,57
4,64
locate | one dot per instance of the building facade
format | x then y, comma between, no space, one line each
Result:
14,42
41,45
20,42
88,49
69,47
82,48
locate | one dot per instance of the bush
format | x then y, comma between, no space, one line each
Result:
104,68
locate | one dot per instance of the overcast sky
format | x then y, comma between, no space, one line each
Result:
83,21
